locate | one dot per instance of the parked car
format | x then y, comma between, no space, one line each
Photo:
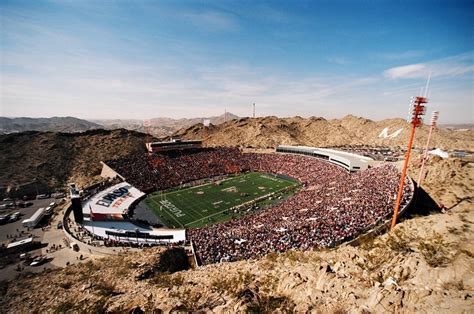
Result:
24,256
59,225
38,261
14,217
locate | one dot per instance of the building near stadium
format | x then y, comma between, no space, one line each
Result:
173,144
34,219
349,161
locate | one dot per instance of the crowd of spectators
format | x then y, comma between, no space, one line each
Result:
332,205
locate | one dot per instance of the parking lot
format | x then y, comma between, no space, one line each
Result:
52,244
14,229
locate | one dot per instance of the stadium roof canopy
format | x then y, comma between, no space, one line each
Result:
349,161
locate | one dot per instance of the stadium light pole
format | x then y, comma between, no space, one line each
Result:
424,157
416,111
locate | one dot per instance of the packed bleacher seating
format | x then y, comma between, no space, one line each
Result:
332,205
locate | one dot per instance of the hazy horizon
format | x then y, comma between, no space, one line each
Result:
141,60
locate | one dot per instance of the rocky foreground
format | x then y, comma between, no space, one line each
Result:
425,265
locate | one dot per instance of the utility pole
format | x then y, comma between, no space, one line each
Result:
254,110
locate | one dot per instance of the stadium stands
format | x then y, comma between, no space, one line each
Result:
332,206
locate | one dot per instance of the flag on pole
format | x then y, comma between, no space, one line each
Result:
91,218
91,213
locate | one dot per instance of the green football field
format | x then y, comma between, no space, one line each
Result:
209,203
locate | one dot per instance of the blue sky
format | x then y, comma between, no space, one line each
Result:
143,59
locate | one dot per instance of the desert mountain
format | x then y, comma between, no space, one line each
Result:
54,159
350,130
162,126
54,124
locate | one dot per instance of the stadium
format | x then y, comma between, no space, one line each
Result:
228,204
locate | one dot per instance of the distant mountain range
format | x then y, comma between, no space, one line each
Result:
54,124
465,126
160,127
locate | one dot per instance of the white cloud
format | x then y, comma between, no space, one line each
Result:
454,66
407,71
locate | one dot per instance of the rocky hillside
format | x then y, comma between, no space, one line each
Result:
54,124
425,265
448,181
271,131
54,159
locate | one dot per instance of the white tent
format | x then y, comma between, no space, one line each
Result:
439,152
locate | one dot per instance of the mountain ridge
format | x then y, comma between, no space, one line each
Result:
350,130
55,124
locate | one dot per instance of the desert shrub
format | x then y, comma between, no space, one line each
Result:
269,304
366,242
434,252
105,288
98,306
455,284
399,241
468,253
65,285
223,285
268,283
296,256
164,280
91,266
232,285
64,307
464,218
191,300
454,230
